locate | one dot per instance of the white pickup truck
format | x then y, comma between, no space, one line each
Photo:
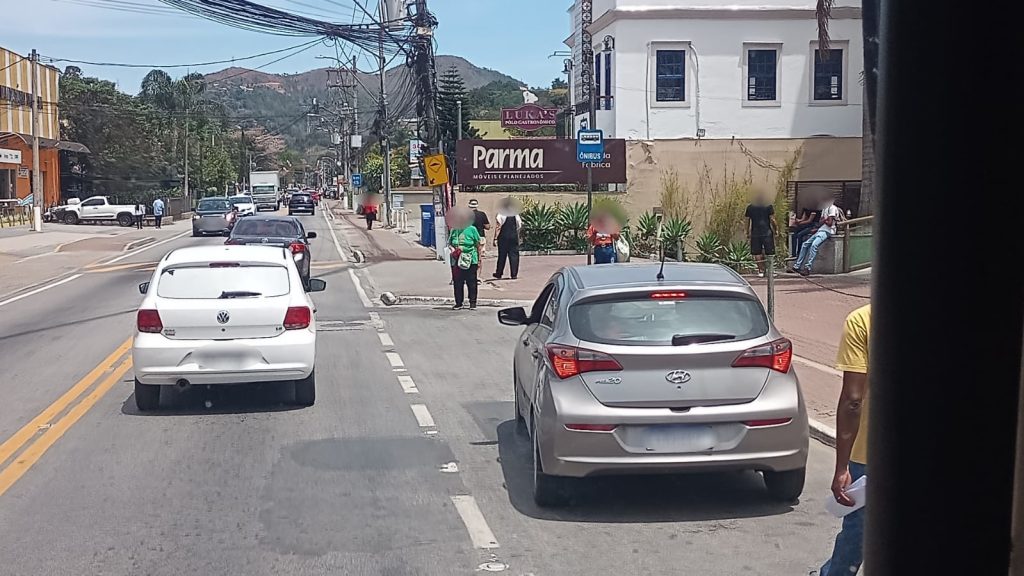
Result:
95,209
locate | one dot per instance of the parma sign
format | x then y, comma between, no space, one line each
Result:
535,162
529,117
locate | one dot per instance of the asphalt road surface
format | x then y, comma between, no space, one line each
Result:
408,464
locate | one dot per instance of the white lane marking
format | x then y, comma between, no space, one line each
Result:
408,386
479,532
40,289
394,359
817,366
423,417
385,339
359,289
27,258
146,247
376,321
334,236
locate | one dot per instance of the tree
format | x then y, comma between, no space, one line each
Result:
559,84
869,22
451,90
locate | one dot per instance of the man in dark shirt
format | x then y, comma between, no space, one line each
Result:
761,230
802,228
481,223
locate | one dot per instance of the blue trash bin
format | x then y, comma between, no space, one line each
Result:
427,225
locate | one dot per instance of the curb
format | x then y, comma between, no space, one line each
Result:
137,243
401,300
822,433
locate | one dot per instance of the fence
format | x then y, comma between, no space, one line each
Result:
11,216
857,243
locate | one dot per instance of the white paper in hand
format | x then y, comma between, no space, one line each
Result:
857,490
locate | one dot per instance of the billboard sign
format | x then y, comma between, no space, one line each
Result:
529,117
8,156
536,162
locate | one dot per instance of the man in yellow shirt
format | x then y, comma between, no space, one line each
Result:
851,440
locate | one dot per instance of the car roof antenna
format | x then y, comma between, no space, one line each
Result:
661,246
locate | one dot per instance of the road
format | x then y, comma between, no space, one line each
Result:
408,464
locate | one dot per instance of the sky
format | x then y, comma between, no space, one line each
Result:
511,36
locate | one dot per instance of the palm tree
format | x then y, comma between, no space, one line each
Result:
869,22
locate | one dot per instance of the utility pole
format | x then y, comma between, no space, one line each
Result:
385,143
458,104
37,178
426,91
587,83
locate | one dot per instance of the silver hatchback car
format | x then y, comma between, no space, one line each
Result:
618,372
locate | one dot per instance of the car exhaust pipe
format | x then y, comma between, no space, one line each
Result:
183,383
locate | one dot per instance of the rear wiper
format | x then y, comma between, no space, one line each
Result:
686,339
239,294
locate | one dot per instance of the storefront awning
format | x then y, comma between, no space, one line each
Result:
48,143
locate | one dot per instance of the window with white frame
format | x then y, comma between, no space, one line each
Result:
670,75
828,73
761,74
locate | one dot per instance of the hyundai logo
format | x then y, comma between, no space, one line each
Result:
678,377
223,318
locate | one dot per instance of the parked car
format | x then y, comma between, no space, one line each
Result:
617,372
283,231
301,202
225,315
94,209
245,204
212,216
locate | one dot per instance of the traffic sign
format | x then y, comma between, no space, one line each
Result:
589,146
357,180
436,168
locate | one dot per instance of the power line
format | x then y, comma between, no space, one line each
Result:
192,65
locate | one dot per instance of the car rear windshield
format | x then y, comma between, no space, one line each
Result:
211,205
223,280
300,198
653,321
266,228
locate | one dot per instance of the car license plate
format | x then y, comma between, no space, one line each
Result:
678,438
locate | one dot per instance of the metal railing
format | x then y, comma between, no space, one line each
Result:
401,220
857,243
11,216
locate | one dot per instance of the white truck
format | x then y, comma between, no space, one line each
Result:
265,187
94,209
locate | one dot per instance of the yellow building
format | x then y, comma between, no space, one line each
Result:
16,128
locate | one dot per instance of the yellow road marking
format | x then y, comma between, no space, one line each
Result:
35,451
15,442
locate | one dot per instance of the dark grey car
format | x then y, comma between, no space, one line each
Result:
211,217
285,231
617,372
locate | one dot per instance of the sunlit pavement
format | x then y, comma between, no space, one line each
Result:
408,464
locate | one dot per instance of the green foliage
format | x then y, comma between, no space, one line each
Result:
540,226
451,90
709,248
644,241
730,202
738,257
373,168
674,233
673,195
572,222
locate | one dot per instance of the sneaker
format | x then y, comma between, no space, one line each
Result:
472,306
514,277
496,276
805,272
457,307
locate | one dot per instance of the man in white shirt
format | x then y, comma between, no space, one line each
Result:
830,214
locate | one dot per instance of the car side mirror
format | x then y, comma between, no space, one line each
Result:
310,235
317,285
144,287
513,316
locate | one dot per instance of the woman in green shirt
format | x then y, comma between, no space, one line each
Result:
465,242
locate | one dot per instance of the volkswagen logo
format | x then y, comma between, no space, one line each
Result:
223,318
678,377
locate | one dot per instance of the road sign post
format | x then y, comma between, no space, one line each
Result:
590,149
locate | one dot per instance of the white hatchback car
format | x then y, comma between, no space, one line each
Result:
225,315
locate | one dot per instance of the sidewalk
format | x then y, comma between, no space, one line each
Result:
28,258
808,311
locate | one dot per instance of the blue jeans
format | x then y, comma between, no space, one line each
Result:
848,553
604,254
809,249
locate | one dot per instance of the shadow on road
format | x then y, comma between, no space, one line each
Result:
631,499
202,400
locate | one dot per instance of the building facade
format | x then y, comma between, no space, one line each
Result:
16,129
705,87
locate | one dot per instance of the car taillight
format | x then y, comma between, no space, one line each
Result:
571,361
777,355
591,427
297,318
297,247
149,321
768,422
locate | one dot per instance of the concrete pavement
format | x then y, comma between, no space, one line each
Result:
407,465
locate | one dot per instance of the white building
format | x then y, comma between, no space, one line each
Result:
693,77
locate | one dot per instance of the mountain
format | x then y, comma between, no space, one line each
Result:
278,103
